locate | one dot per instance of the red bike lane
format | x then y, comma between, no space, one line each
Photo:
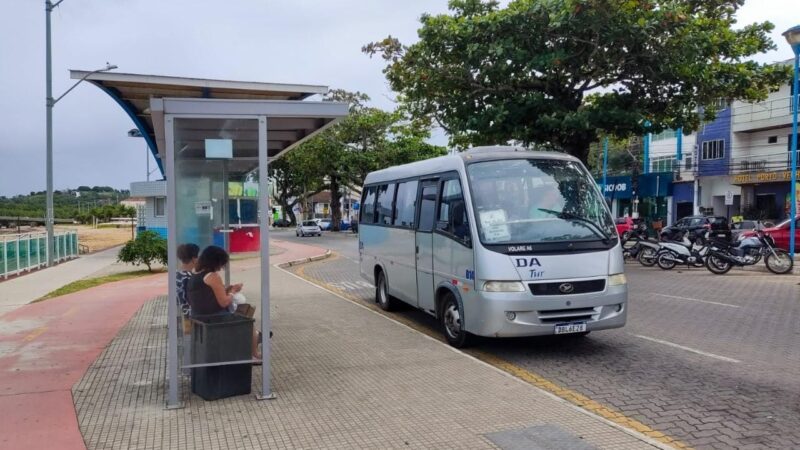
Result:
46,347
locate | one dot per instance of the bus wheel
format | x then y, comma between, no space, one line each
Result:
453,323
385,301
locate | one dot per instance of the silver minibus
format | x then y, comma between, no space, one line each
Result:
496,242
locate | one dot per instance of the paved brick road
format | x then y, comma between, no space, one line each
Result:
713,361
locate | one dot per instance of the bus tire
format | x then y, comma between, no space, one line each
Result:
382,297
452,323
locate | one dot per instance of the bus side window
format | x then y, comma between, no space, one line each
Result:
427,209
368,205
385,204
453,211
405,205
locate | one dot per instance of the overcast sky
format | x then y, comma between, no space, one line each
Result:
299,41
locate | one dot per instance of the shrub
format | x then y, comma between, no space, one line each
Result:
148,248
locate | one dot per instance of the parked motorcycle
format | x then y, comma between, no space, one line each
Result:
636,245
722,256
691,250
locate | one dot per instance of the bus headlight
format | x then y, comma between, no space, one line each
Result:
503,286
617,279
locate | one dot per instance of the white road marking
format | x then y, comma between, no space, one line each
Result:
698,300
688,349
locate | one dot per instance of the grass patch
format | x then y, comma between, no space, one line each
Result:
87,283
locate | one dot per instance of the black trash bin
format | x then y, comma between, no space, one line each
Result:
221,338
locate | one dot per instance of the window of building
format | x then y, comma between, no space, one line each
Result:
689,162
160,206
713,149
663,163
405,210
385,204
772,140
368,205
452,210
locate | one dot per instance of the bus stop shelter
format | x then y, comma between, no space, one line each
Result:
213,139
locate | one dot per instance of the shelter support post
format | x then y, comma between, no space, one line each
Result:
173,384
263,223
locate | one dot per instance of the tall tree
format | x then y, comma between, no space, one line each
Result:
367,139
561,72
294,181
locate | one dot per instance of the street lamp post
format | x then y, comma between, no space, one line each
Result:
792,36
50,102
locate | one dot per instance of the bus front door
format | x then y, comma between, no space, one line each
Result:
424,245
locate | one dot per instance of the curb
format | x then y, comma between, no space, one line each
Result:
300,261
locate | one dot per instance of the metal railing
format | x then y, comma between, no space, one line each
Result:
770,109
28,251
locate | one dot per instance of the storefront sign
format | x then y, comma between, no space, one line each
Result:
762,177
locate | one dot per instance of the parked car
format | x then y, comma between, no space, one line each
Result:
324,224
717,225
627,225
308,228
738,228
780,233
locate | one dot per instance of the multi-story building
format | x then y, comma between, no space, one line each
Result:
761,135
742,158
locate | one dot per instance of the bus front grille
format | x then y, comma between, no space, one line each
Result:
568,315
575,287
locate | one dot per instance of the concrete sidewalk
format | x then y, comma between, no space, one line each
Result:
27,288
345,377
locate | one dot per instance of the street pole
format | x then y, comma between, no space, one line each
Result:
792,36
605,164
646,162
49,103
49,218
793,187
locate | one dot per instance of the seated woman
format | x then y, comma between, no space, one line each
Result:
207,293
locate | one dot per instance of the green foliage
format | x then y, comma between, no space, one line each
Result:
80,204
147,248
562,72
368,139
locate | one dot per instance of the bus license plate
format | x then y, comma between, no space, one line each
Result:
568,328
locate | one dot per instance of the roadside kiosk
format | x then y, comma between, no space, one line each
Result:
211,137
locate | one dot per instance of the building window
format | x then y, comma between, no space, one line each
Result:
713,149
664,164
772,140
160,206
689,162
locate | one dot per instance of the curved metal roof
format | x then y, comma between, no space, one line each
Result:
134,93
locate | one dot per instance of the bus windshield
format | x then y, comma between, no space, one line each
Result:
528,201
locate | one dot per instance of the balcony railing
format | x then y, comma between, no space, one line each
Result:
770,109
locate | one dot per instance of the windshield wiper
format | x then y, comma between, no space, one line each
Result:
582,220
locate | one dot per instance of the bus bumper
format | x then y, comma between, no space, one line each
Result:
506,314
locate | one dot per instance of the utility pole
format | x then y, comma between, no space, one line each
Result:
49,218
49,103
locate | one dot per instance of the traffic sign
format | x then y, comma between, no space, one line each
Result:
728,198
